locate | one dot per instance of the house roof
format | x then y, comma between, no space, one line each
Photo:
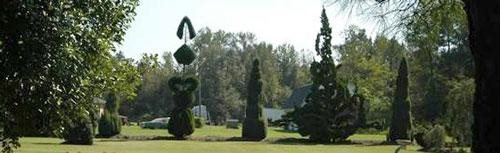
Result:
298,96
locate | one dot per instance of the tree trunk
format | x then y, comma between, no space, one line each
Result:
484,35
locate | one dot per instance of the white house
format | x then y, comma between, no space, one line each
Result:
273,114
201,111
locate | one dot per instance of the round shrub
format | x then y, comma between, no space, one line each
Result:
181,123
80,132
433,139
199,122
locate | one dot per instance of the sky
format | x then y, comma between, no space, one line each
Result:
295,22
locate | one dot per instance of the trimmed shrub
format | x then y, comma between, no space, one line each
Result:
181,123
401,124
80,132
199,122
109,123
433,139
255,124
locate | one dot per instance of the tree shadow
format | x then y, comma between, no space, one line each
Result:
305,141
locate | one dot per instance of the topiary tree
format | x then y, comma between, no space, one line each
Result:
181,123
79,132
401,124
255,124
110,124
330,113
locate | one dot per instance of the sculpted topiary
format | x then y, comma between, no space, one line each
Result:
181,123
255,125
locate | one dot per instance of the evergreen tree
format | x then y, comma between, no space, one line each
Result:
401,123
110,124
255,125
331,111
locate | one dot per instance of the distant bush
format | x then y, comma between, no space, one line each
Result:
109,125
199,122
431,140
80,132
232,124
147,117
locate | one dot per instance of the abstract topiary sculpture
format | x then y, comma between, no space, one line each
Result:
181,123
255,125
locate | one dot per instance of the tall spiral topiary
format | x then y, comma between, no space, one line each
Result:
330,113
401,124
181,123
255,124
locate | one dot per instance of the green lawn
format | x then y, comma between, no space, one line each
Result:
205,131
52,145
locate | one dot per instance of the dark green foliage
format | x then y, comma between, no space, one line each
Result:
199,122
80,133
331,111
184,55
255,124
401,124
180,29
181,123
110,124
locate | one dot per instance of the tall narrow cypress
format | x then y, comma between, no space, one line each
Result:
401,123
255,124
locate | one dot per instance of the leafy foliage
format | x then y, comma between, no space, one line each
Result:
401,125
459,114
52,55
255,124
433,139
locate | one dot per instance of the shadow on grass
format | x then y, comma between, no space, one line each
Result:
45,143
305,141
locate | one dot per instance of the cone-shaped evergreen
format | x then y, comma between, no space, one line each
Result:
330,113
255,125
401,124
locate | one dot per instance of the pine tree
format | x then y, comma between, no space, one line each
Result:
331,112
255,125
401,124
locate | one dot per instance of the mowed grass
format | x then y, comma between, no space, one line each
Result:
221,131
53,145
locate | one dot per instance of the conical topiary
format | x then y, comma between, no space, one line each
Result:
401,124
255,124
